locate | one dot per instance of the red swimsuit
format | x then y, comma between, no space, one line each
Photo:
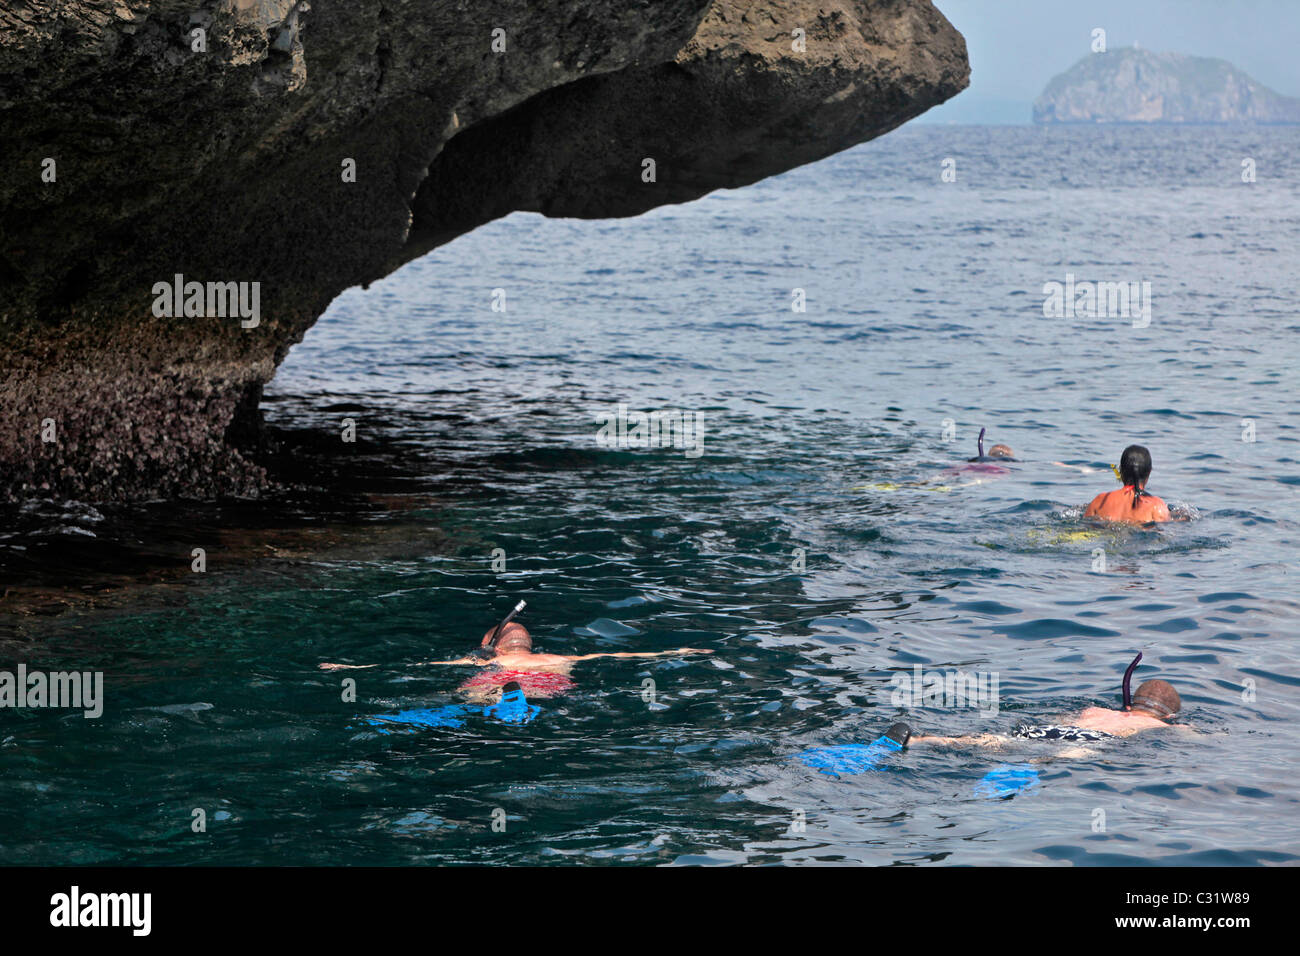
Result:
532,683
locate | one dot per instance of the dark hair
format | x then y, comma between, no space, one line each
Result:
1135,469
1158,698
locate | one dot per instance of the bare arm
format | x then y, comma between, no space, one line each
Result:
680,652
1084,469
359,667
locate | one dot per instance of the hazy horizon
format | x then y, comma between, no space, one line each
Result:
1017,46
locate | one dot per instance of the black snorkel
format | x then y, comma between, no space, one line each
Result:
1128,677
979,451
489,649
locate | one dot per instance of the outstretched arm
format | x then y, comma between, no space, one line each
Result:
1084,469
479,661
680,652
358,667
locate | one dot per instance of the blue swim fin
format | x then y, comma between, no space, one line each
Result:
1007,779
451,716
513,708
856,758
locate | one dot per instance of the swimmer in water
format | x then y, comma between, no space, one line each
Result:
997,451
1131,503
507,653
982,462
983,466
1153,706
540,675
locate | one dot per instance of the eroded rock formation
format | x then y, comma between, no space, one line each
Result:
144,140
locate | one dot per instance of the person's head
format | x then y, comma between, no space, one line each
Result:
1135,466
997,451
1157,698
1135,469
514,639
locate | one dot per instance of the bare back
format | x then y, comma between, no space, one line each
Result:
527,661
1119,723
1118,506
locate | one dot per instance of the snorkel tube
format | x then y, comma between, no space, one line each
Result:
496,635
1003,453
489,649
1128,677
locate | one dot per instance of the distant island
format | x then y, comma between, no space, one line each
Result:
1132,85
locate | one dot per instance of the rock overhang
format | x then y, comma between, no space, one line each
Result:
312,146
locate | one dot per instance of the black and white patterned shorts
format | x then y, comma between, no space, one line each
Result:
1049,732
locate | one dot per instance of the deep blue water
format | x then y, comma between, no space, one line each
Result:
477,430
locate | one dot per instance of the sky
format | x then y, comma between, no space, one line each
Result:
1016,46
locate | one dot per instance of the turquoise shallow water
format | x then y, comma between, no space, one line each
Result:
477,431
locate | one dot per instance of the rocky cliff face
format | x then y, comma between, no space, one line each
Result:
1139,86
284,151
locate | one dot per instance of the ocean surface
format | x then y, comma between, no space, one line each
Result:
821,543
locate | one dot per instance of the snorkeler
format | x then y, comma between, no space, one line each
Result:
507,653
982,466
512,658
1155,703
1153,706
1130,503
997,451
